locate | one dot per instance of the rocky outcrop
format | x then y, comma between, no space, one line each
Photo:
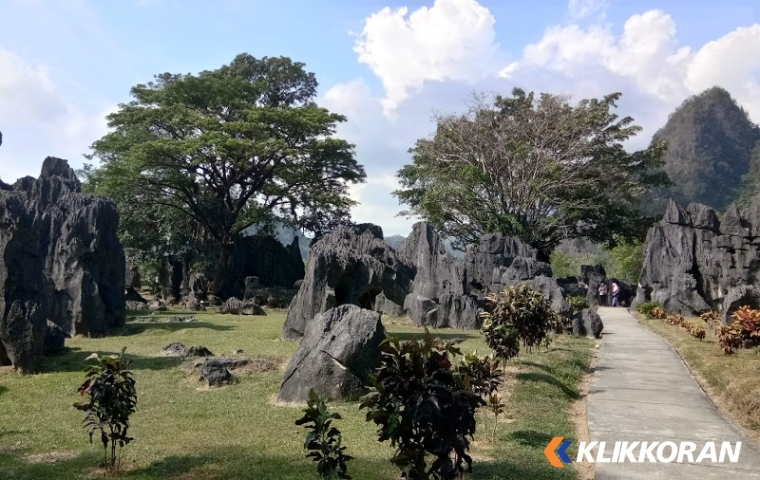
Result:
388,307
350,266
593,276
62,262
339,350
588,323
264,257
694,262
235,306
437,270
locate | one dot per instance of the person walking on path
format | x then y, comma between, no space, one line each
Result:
615,294
603,294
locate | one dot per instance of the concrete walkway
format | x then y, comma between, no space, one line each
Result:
642,391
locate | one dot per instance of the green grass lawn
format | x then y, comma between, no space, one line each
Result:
185,431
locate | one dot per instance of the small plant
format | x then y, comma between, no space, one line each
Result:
423,405
113,399
675,319
647,307
697,331
517,314
710,317
323,440
659,313
744,331
482,375
578,303
497,407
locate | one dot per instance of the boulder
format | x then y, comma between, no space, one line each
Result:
387,307
744,295
588,323
593,276
251,285
458,311
492,252
572,287
22,296
157,305
55,338
339,350
175,349
349,266
422,310
198,285
234,306
437,270
215,373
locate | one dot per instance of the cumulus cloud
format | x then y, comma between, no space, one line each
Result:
38,121
452,40
434,57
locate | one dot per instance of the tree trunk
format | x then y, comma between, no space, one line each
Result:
221,283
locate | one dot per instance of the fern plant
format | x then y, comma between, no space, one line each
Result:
112,399
323,440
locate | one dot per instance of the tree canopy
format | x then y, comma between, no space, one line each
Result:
226,149
535,167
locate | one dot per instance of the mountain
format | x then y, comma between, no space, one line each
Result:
394,241
710,141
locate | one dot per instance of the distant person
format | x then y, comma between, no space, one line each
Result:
602,294
615,294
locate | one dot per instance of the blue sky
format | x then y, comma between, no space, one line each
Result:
387,65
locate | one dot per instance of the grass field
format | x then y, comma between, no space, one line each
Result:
185,431
732,382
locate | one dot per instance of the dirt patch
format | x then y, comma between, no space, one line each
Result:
579,416
51,457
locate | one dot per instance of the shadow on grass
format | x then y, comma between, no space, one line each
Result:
73,360
133,328
531,438
3,389
549,379
505,470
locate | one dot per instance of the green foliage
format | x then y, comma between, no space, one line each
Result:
569,265
578,303
113,398
623,261
497,407
202,157
424,406
518,314
710,142
323,440
748,190
586,185
482,374
647,308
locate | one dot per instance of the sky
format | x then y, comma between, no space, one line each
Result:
388,65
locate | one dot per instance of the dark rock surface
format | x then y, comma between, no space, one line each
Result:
235,306
572,287
55,338
349,266
593,276
588,323
458,311
388,307
693,262
215,373
437,271
337,353
177,349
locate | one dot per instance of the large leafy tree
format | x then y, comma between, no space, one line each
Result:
538,168
226,149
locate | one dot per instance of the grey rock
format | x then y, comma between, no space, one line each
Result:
339,350
387,307
235,306
459,311
593,276
572,287
199,351
732,223
349,266
437,270
588,323
198,285
157,305
703,217
251,285
743,295
215,373
175,349
676,215
422,310
492,252
55,338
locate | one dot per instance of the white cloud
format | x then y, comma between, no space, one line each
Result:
38,120
580,9
452,40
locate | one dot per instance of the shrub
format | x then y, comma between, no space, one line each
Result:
659,313
113,399
518,314
424,407
710,317
675,319
481,374
743,332
578,303
694,330
323,440
646,308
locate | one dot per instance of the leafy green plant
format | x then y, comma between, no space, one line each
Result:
578,303
647,307
481,374
497,407
514,315
424,407
323,440
113,398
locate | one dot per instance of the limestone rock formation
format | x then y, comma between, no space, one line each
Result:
235,306
694,262
388,307
349,266
61,261
336,356
437,270
593,276
588,323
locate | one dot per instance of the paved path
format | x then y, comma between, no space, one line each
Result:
642,391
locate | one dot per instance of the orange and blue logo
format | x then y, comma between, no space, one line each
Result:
558,456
